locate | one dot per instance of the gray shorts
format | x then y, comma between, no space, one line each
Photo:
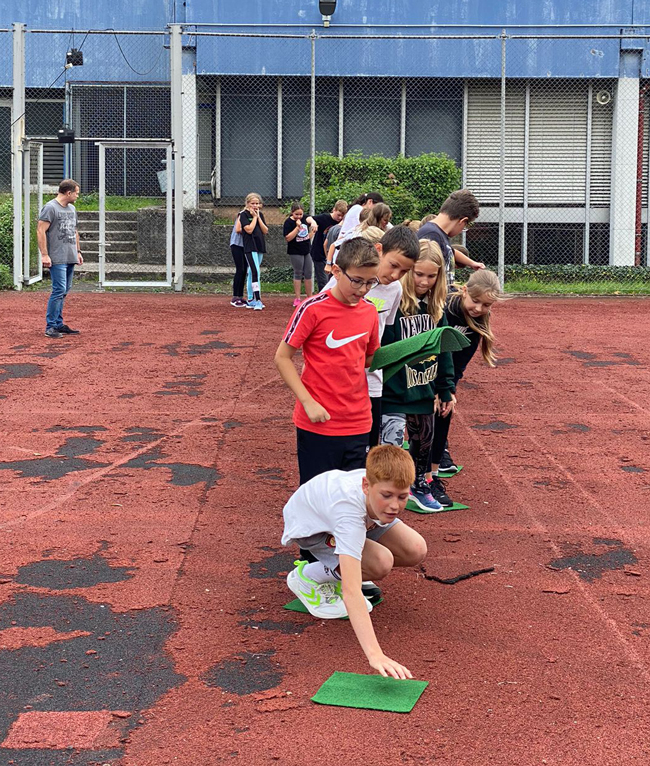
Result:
302,266
322,545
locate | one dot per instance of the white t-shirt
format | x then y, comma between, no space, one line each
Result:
332,502
351,220
386,299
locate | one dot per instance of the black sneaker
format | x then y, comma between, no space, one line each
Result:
446,464
438,490
371,591
306,555
65,330
52,332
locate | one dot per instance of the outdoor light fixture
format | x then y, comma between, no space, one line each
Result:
326,8
74,57
65,135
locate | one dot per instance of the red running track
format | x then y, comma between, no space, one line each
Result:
143,469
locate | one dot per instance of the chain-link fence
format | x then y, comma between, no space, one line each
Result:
550,132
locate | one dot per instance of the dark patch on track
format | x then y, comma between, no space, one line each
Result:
583,355
274,566
632,469
209,420
231,354
127,669
494,425
13,371
172,348
578,427
246,673
76,573
142,434
45,757
128,396
228,424
271,474
196,349
50,468
183,474
184,385
281,626
123,346
79,445
211,332
506,360
77,429
592,566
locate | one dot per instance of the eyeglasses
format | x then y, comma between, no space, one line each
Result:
359,283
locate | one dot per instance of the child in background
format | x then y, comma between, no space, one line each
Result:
238,256
363,201
297,235
411,396
334,247
413,224
325,222
348,522
254,228
458,213
468,310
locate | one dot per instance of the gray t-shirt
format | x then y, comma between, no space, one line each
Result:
62,234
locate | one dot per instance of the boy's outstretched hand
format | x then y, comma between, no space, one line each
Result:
316,412
388,667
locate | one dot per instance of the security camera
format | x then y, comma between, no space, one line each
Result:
326,8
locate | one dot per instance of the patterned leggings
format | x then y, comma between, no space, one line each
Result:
420,433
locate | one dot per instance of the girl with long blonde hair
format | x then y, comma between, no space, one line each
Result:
468,310
411,396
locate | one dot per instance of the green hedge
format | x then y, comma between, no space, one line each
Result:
412,186
571,273
6,278
6,231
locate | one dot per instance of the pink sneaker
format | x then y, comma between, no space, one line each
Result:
297,302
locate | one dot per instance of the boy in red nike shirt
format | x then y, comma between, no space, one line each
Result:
338,333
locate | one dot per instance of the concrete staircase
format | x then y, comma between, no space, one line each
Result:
121,236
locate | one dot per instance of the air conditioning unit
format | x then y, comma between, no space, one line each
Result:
603,97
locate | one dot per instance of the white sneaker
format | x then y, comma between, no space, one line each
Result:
322,600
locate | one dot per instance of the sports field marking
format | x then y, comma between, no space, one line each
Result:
631,654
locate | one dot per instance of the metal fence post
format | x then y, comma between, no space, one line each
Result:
312,128
502,168
176,82
17,137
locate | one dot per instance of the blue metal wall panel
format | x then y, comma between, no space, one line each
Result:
79,14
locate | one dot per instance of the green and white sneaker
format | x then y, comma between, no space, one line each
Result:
322,600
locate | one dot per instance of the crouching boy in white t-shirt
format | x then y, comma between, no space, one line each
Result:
348,521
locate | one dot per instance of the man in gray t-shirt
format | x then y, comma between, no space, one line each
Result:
58,243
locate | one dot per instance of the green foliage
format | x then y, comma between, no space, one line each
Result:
412,186
571,274
6,231
6,278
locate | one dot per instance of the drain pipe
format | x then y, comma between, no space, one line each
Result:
639,176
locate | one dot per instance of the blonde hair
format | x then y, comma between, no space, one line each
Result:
427,218
392,464
341,205
412,224
252,196
378,213
431,253
372,234
481,283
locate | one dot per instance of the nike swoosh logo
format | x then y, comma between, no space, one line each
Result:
331,342
383,311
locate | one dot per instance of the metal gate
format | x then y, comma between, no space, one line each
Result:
149,264
32,181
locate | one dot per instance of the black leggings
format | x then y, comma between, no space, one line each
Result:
440,433
420,433
240,271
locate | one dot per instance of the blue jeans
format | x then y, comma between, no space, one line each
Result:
61,275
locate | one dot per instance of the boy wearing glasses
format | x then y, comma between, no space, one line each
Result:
338,333
457,214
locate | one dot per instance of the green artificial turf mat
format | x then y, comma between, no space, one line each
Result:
445,475
297,606
411,506
370,692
